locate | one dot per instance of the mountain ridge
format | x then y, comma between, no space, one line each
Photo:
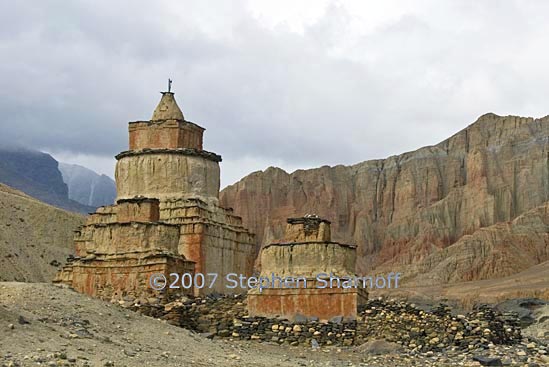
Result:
87,186
37,174
410,205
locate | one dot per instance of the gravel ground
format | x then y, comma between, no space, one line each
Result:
41,324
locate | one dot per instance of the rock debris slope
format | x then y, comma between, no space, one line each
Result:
41,324
35,238
37,174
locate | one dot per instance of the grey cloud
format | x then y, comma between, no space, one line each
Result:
74,73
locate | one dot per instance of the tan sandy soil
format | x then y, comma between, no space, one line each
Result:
35,238
93,332
533,282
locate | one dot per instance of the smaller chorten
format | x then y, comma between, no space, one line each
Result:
306,252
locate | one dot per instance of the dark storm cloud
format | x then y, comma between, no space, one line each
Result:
74,73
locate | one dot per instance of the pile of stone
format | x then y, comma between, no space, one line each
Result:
200,314
394,321
227,317
283,331
438,329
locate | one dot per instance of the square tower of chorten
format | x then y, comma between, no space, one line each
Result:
166,218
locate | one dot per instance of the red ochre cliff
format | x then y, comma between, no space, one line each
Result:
474,206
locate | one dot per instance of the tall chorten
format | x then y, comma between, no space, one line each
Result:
166,160
166,218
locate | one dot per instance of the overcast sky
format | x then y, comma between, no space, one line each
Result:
294,84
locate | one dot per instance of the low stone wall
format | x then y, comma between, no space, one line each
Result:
395,321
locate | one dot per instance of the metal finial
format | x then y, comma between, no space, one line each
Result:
169,85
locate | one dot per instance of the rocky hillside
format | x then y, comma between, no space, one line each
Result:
498,250
408,210
41,324
86,186
35,238
37,174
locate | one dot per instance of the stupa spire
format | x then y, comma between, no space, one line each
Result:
167,108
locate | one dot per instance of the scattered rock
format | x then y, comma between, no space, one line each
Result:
488,361
380,346
544,359
23,321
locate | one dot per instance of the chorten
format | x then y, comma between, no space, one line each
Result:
166,219
299,268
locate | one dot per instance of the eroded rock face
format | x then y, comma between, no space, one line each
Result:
501,249
403,209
